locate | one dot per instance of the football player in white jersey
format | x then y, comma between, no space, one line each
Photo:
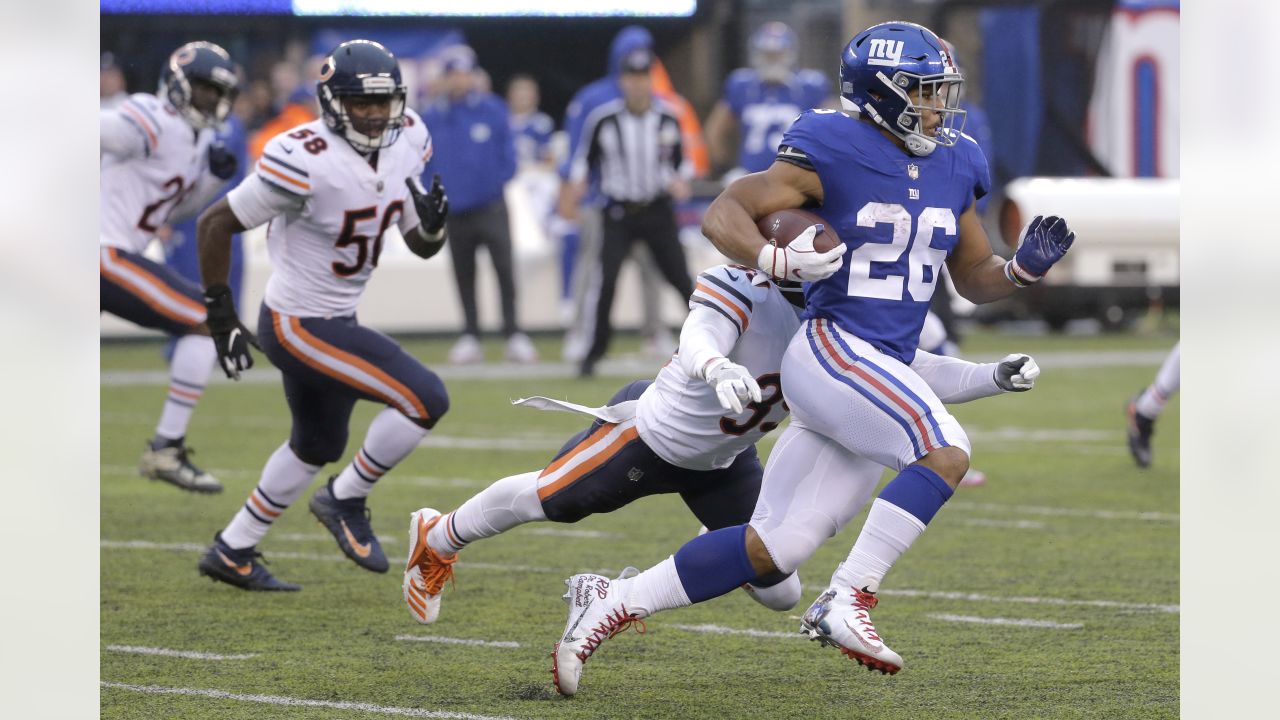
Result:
160,163
330,189
692,431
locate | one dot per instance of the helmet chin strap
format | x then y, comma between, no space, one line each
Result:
917,145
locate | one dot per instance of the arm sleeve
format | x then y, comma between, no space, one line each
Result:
706,335
202,193
120,136
255,201
954,380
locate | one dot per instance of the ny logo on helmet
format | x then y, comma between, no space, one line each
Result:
885,52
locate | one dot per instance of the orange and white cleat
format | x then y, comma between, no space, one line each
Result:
426,571
841,619
596,613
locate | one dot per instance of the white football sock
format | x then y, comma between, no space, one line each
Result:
193,359
391,438
888,532
654,590
507,503
1151,402
284,479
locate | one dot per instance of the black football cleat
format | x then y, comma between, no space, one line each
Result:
1140,428
348,520
242,568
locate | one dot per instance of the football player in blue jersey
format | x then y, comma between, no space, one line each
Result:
761,101
897,180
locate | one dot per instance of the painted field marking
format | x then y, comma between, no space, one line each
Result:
459,641
1014,524
630,366
301,702
979,597
1018,622
334,557
558,532
1068,512
166,652
722,630
888,592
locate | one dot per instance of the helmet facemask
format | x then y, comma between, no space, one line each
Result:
939,93
176,84
356,131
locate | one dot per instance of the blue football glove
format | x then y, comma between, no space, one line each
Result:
1044,241
222,162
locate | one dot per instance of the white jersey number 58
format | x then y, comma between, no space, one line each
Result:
890,287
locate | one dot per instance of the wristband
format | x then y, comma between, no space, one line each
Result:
1017,275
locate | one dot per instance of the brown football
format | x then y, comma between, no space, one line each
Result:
783,226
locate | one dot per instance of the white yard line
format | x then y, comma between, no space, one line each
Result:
336,556
166,652
1067,512
1018,622
567,533
301,702
634,367
501,567
459,641
722,630
1014,524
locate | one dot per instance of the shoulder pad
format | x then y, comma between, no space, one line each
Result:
285,159
144,110
727,290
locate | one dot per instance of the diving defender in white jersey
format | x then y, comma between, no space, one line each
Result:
330,189
898,180
160,163
692,430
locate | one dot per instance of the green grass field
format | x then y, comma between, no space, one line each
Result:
1069,542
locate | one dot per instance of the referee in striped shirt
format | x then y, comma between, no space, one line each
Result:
633,143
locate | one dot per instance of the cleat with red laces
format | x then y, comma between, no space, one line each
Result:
596,613
841,618
426,571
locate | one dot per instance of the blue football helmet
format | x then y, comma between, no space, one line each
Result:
200,62
773,51
361,69
883,65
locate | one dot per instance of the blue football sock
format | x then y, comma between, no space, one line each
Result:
711,565
918,490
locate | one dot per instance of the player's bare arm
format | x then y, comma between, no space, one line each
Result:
213,242
730,222
978,273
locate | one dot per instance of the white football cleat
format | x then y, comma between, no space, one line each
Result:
596,613
426,571
840,618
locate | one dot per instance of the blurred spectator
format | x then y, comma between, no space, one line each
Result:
475,157
112,88
297,105
578,219
532,129
634,144
695,147
760,102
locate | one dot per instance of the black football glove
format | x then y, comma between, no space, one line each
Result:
222,162
432,206
230,336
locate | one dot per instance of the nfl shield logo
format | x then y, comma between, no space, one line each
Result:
913,171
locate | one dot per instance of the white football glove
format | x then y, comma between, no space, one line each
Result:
1017,373
798,260
734,385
